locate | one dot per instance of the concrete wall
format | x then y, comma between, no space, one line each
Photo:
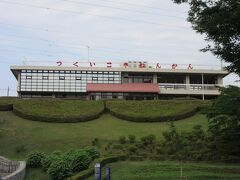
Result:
14,170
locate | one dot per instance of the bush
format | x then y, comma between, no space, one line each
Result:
93,153
34,159
77,159
122,139
95,142
61,111
60,169
132,149
153,110
131,138
150,139
47,160
103,161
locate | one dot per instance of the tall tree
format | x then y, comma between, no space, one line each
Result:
224,124
219,20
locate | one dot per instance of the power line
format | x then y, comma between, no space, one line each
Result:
141,5
122,9
90,14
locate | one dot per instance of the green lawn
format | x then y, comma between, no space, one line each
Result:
147,170
31,135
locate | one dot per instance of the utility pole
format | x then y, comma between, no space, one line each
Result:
88,48
8,91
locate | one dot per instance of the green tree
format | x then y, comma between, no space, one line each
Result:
219,21
172,140
224,124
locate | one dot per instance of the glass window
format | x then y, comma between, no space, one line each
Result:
45,77
61,77
78,78
28,77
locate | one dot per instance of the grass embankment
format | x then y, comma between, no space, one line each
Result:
55,110
6,103
18,132
148,170
154,111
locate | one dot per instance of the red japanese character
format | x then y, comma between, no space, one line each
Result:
142,65
75,64
174,66
190,66
158,66
59,63
109,64
125,64
92,64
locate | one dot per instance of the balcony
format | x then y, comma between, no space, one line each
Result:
195,89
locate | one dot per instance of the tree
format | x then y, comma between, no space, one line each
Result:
219,21
224,124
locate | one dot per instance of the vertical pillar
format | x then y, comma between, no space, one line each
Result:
155,79
19,85
187,82
219,80
203,96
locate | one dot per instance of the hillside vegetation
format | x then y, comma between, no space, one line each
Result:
152,111
56,110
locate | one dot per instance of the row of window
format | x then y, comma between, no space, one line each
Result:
76,78
68,72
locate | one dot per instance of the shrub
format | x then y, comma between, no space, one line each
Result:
95,142
47,160
132,149
150,139
60,169
122,139
77,159
117,146
131,138
93,153
34,159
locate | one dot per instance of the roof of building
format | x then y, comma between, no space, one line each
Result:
16,70
129,87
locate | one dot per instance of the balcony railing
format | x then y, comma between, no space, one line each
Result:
193,87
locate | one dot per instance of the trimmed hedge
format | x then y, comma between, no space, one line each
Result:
132,111
6,107
60,111
90,171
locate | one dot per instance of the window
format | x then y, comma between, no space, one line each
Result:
111,79
78,78
28,77
61,77
45,77
94,78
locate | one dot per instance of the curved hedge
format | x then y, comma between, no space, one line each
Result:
60,111
90,171
153,111
6,103
6,107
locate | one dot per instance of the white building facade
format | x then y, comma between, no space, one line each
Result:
138,81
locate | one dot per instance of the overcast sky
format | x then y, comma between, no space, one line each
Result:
116,30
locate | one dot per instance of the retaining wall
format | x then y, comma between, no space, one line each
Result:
15,170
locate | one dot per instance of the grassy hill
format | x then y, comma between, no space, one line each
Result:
20,133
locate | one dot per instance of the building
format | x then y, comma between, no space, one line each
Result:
131,80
